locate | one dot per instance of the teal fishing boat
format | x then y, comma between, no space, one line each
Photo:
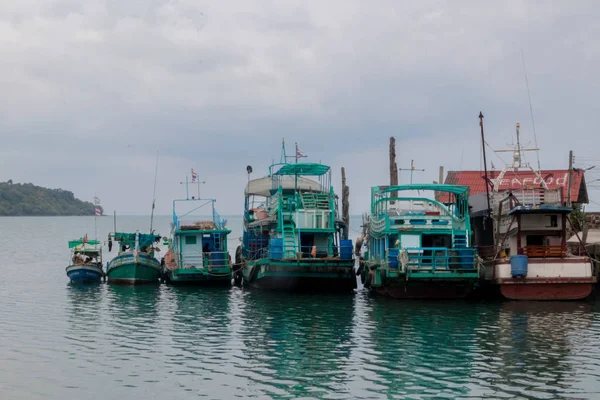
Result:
198,246
419,246
135,263
292,231
86,261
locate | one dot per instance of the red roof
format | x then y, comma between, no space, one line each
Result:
521,179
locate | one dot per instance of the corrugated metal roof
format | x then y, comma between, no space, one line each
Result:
513,180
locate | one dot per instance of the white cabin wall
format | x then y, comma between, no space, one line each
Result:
541,222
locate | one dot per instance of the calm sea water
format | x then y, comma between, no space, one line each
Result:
59,341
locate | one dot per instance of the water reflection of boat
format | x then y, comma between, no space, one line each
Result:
418,348
133,306
529,347
298,342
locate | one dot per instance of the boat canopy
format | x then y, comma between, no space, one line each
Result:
264,186
146,239
79,242
454,189
306,169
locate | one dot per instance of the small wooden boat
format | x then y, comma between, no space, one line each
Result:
198,248
86,261
135,262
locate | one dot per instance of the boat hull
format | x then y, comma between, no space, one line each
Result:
544,289
196,276
547,279
85,273
433,291
130,269
301,275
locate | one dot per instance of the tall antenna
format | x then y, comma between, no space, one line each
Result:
531,111
96,212
154,193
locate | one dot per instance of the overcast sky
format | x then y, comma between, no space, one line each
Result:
92,89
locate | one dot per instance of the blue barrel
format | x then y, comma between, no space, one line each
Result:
346,249
276,249
466,259
518,266
393,258
217,260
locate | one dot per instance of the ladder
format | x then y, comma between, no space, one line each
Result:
289,239
460,240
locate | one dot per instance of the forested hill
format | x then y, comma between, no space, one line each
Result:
26,199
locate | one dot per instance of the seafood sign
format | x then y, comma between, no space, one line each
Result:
520,180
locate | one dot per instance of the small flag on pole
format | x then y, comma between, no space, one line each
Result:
493,165
84,241
299,153
194,175
98,212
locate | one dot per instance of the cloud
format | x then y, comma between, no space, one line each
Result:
91,90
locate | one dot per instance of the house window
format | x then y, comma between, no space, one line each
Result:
190,240
554,221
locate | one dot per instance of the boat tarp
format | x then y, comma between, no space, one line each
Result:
146,239
264,186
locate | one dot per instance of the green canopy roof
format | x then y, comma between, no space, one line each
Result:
308,169
79,242
454,189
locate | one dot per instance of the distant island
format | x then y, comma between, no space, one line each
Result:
27,199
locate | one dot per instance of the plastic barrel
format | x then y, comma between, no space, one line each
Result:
276,249
393,258
217,260
346,249
518,266
466,259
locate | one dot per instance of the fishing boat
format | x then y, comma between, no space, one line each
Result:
529,210
417,246
198,247
86,261
292,237
135,262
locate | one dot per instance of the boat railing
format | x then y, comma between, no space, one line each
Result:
198,259
528,197
416,221
545,251
435,259
344,252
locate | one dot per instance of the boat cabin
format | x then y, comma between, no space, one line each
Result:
418,232
198,240
292,213
531,222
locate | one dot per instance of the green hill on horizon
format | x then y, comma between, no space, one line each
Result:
27,199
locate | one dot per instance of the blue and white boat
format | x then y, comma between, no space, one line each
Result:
86,261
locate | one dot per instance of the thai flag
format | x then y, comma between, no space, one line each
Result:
194,175
299,153
98,212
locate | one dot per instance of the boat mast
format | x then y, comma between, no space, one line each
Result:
154,193
487,186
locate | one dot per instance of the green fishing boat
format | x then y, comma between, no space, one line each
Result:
419,246
198,246
293,236
135,263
